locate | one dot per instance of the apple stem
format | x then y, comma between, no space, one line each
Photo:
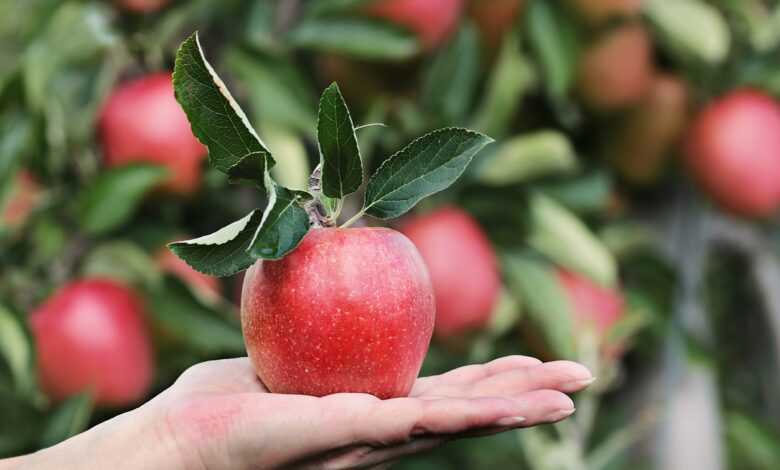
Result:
352,219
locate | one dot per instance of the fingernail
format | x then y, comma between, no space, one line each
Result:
509,421
560,414
577,384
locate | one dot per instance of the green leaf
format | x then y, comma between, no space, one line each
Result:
342,170
17,350
452,78
284,223
216,119
560,235
113,197
329,7
224,252
358,37
536,285
179,315
554,40
692,29
587,193
511,78
426,166
123,260
529,156
756,443
69,419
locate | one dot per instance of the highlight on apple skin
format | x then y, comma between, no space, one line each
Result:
142,122
733,151
348,309
91,335
462,265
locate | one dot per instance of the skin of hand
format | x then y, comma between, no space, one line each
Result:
218,415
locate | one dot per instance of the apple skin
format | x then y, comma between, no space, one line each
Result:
592,304
596,12
644,137
25,195
203,284
494,19
142,122
462,265
142,6
617,69
349,310
431,20
733,151
91,335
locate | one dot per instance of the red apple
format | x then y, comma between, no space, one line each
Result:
593,305
462,265
90,335
494,19
143,122
142,6
599,11
203,284
23,198
431,20
349,310
733,150
616,70
644,137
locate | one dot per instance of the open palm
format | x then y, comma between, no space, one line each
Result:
221,416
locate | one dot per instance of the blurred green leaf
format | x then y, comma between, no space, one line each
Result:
511,78
276,91
70,418
113,197
261,23
292,169
529,156
284,223
587,193
692,29
426,166
16,140
224,252
757,445
216,119
554,39
123,260
560,235
342,169
537,287
179,316
329,7
20,426
353,36
17,350
451,80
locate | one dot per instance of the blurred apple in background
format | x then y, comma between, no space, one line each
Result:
431,20
494,18
22,199
349,310
462,265
599,11
733,150
91,336
616,70
142,122
205,285
645,136
142,6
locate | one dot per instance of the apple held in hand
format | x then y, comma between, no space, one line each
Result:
733,150
142,122
323,309
90,336
431,20
462,266
348,309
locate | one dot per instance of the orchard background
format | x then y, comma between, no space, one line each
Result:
625,216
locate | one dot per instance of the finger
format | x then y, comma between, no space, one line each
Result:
474,372
564,376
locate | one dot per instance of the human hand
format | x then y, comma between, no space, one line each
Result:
218,415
